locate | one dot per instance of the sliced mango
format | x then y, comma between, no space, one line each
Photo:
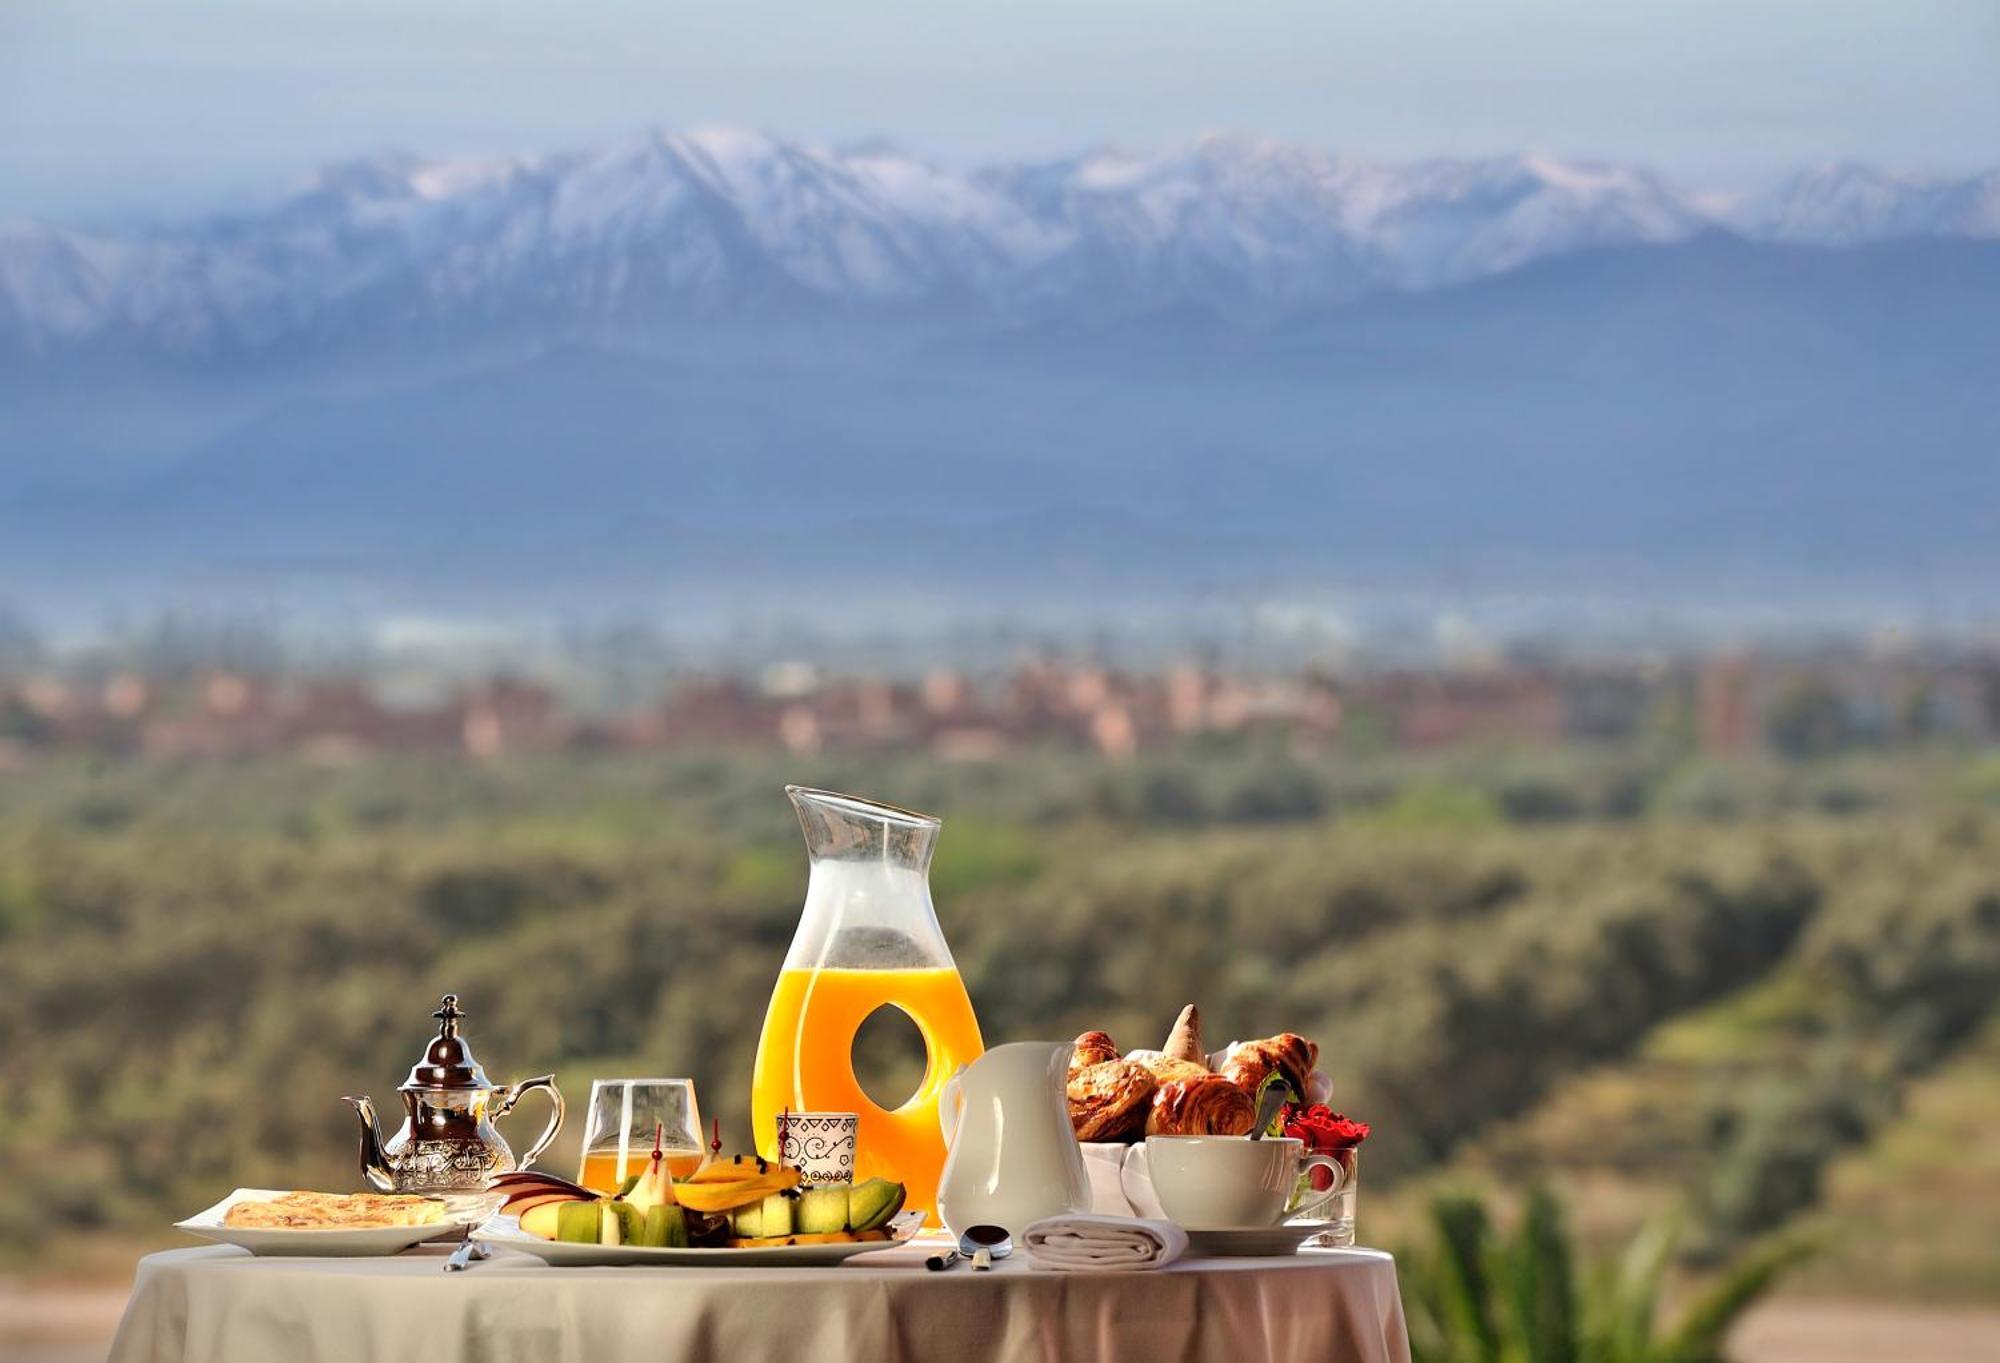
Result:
725,1187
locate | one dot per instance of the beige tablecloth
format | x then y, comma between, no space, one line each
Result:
219,1305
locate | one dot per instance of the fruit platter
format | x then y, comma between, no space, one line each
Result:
737,1211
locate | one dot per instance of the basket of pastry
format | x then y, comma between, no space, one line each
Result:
1182,1089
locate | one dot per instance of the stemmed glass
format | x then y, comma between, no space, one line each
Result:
618,1132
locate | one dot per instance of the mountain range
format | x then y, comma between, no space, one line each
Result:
722,223
686,365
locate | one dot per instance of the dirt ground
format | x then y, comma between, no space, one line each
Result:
40,1324
75,1325
1866,1332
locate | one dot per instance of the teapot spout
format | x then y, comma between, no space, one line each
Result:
374,1163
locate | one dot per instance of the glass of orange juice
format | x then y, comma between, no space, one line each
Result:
618,1131
868,936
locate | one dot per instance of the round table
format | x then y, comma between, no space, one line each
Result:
218,1304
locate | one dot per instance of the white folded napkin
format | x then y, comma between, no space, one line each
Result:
1104,1243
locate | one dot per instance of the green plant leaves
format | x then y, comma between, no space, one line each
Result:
1473,1296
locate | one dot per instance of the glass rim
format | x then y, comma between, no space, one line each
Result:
868,809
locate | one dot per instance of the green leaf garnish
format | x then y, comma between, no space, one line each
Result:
1277,1123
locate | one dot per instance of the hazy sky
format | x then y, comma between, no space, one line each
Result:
119,106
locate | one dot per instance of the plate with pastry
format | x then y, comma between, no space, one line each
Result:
274,1221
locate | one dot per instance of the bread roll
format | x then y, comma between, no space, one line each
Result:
1107,1101
1166,1069
1092,1048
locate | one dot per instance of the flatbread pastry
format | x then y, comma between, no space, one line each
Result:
334,1211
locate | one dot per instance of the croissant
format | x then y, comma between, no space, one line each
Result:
1092,1048
1290,1054
1107,1101
1206,1106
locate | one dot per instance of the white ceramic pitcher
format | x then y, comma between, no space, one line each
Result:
1012,1157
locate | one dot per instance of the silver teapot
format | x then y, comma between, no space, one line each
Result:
448,1142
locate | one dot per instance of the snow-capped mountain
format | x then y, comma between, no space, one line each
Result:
1245,224
1847,205
723,222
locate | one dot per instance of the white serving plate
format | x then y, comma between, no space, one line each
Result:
338,1242
505,1232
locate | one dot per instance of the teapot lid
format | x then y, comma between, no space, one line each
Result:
448,1064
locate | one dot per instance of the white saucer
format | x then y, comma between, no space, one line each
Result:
1258,1242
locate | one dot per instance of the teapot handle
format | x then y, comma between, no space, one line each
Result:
512,1095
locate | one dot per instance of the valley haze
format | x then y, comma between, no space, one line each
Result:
727,371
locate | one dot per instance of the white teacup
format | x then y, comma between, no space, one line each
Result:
1225,1182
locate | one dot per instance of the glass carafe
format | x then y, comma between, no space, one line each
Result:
868,936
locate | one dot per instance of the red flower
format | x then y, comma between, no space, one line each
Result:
1324,1131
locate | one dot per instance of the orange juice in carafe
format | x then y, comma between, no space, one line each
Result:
869,936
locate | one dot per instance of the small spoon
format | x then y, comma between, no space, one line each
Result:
1267,1110
982,1244
989,1243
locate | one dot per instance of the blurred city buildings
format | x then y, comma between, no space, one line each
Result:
1727,702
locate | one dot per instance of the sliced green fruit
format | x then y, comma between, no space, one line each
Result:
579,1223
664,1228
822,1210
777,1215
631,1222
748,1222
871,1204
